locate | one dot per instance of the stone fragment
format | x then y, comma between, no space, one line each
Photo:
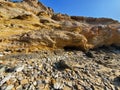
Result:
9,87
1,62
41,86
31,87
69,84
67,88
3,87
2,68
19,87
19,69
24,81
5,79
58,85
1,55
34,83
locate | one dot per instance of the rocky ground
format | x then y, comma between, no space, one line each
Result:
67,69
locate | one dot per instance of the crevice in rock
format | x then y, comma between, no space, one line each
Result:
71,48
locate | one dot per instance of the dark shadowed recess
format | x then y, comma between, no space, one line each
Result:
116,81
71,48
107,49
101,48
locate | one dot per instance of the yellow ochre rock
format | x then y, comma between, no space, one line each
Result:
29,26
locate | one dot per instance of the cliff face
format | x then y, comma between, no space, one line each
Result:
31,26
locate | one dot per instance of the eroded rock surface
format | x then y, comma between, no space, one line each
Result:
31,24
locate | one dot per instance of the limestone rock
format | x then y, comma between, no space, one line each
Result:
29,26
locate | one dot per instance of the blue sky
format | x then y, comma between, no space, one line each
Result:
89,8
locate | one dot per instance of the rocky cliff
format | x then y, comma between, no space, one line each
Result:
30,26
42,50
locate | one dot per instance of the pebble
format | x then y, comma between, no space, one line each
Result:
58,85
3,87
9,87
34,83
69,84
1,61
19,87
31,87
2,68
67,88
1,55
41,86
24,81
19,69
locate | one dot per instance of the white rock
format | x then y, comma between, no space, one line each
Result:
69,84
19,87
2,69
9,87
58,85
5,79
19,69
1,61
1,55
31,87
34,83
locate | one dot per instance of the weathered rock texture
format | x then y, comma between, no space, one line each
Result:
30,26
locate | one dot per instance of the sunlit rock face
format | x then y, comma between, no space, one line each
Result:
31,26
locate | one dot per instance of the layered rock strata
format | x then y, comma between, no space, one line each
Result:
30,26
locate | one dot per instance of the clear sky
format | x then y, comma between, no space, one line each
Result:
89,8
